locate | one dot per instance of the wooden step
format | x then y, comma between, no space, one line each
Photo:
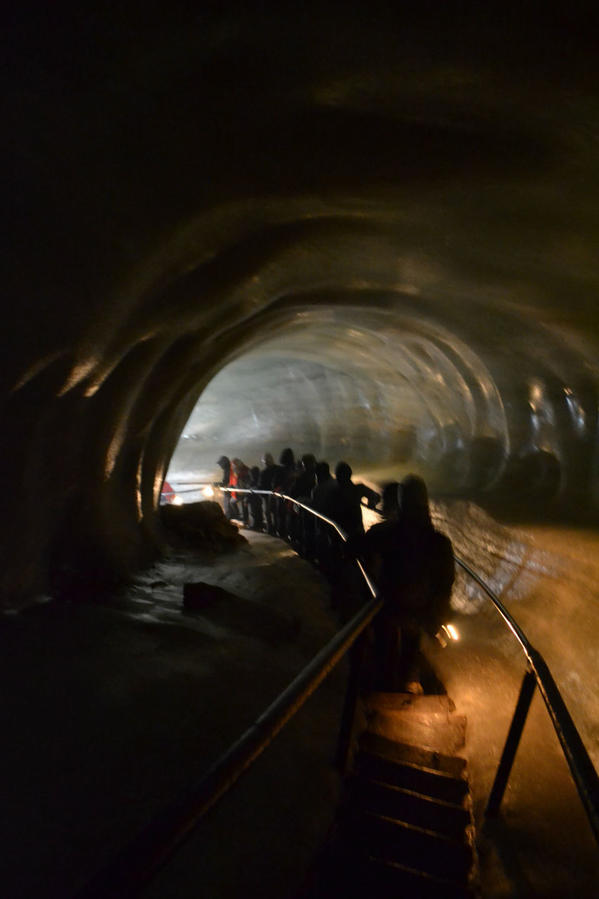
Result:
405,826
382,878
426,721
352,873
434,732
427,781
408,845
406,805
417,755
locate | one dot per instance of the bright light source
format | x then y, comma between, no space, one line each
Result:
451,631
208,491
177,501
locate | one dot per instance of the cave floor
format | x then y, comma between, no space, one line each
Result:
111,709
546,575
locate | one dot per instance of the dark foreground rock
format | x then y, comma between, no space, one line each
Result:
202,525
200,595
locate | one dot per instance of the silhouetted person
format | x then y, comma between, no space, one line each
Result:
390,501
306,479
413,567
225,463
240,476
299,522
283,483
268,472
323,535
390,511
255,500
285,475
242,473
344,504
325,484
267,479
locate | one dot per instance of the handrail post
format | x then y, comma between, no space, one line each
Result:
302,531
511,744
350,703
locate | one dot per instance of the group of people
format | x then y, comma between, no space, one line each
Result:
411,562
307,481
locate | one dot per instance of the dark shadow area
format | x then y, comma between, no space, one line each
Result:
118,706
528,872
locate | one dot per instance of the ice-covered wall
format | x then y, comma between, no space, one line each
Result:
394,213
379,388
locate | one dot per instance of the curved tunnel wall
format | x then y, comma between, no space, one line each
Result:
376,387
414,206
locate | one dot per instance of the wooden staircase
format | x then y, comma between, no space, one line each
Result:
405,826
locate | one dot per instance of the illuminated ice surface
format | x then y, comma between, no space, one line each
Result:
384,388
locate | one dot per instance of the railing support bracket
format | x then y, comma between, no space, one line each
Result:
511,744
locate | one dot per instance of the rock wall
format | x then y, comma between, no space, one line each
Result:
403,198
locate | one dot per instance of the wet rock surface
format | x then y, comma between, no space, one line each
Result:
117,707
201,525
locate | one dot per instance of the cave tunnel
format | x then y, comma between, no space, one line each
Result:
368,234
412,226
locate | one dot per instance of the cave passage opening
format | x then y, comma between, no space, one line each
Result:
385,392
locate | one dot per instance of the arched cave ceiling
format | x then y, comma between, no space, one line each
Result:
380,228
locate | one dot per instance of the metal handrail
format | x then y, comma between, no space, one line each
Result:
509,620
176,492
141,859
579,762
137,863
538,674
312,511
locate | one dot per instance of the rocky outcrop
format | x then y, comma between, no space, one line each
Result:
202,525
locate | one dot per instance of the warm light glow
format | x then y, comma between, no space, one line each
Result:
138,501
536,392
451,631
208,491
177,501
79,373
